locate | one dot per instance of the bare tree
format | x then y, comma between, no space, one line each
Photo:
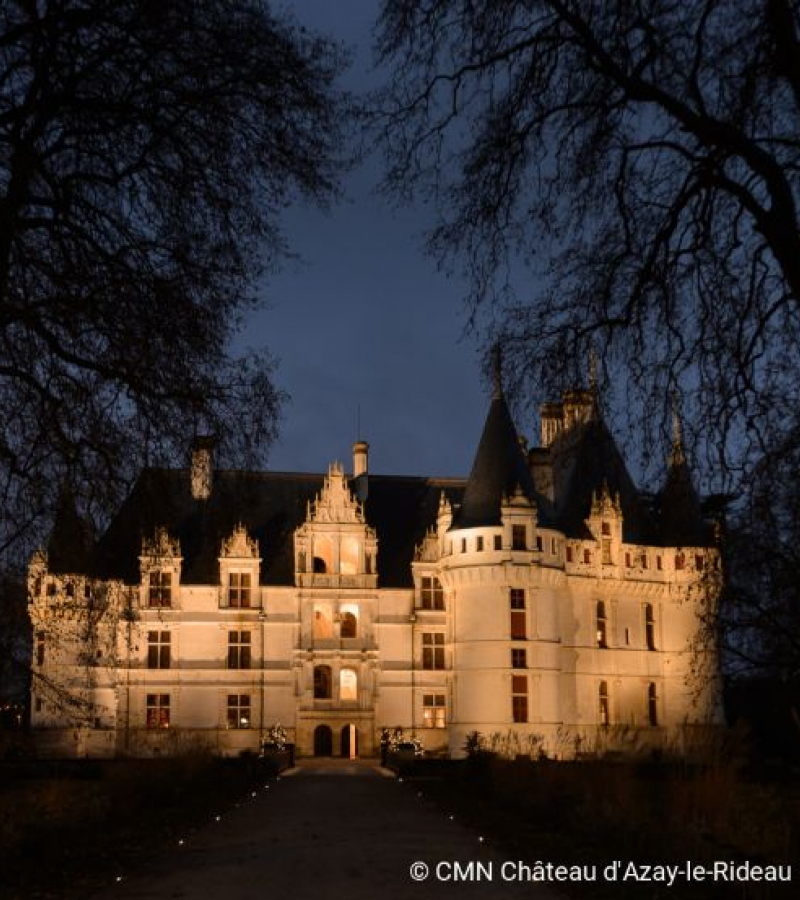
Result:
147,151
639,165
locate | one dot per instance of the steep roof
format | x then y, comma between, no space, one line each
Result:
499,468
271,505
584,459
679,507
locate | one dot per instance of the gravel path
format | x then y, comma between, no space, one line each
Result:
329,829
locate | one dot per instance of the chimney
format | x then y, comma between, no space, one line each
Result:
360,456
202,471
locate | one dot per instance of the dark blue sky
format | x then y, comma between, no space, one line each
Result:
366,319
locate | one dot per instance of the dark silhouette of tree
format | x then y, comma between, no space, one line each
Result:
147,151
639,165
643,160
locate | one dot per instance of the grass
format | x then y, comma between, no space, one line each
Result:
70,831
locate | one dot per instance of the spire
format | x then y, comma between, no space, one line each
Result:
497,371
681,520
677,455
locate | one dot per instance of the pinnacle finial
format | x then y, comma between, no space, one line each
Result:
497,371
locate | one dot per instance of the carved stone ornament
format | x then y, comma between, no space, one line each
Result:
240,545
335,502
161,545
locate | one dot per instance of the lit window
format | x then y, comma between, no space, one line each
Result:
158,649
434,711
348,685
239,650
433,650
160,589
602,625
604,705
518,620
322,682
158,710
239,589
649,627
40,636
238,711
519,538
519,698
432,593
349,626
652,704
323,621
519,658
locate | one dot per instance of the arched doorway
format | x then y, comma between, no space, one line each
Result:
347,730
323,741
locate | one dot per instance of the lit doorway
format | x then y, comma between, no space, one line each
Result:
349,742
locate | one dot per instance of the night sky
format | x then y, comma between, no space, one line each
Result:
366,319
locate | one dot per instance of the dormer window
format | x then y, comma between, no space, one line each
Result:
159,589
432,595
519,540
239,589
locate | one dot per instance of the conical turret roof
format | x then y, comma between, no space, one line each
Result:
498,470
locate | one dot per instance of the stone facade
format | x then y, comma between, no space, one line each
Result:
536,603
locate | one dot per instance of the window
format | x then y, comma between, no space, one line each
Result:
301,562
463,545
433,650
602,625
604,705
518,620
605,529
160,589
348,685
539,543
479,543
158,649
40,648
368,563
553,547
569,554
587,556
238,710
498,542
322,682
649,627
519,698
519,658
606,549
434,711
239,589
680,561
627,559
320,567
643,561
519,538
432,593
349,626
652,704
239,652
699,562
158,710
323,621
659,564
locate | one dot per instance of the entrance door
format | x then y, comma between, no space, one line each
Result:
323,741
347,731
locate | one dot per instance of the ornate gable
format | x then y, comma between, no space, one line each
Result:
240,545
335,502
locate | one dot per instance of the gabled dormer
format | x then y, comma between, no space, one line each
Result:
335,547
605,525
160,565
239,570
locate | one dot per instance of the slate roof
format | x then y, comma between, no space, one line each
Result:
271,505
499,468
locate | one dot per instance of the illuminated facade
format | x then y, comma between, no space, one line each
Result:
544,602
